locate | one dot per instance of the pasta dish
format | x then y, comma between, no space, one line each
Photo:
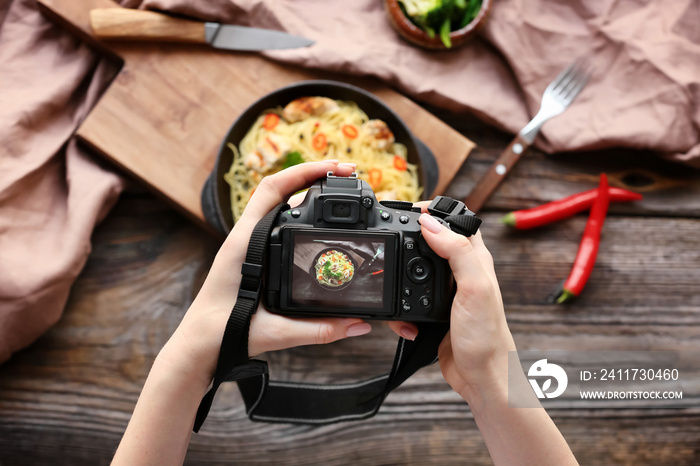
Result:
334,269
315,128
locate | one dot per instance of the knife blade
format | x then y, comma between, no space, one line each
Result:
141,25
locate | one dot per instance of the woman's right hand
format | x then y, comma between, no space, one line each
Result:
474,354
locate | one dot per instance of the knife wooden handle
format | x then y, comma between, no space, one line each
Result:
130,24
495,174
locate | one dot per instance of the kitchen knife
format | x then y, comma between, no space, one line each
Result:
141,25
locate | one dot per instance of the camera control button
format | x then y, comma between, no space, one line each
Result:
418,270
406,307
296,213
386,216
407,292
367,202
403,219
409,245
425,302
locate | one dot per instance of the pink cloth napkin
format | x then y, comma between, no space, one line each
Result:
51,193
645,94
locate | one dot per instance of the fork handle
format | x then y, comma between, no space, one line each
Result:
495,174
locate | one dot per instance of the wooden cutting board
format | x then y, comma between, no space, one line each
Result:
166,113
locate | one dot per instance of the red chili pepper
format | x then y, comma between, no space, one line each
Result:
270,121
588,249
563,208
319,142
350,131
375,177
400,163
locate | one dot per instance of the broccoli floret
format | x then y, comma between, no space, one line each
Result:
422,13
431,16
420,8
441,16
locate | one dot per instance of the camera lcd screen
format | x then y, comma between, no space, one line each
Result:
342,271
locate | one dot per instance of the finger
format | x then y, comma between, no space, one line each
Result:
406,330
476,243
272,332
277,188
448,365
460,252
272,191
423,205
483,252
476,239
297,199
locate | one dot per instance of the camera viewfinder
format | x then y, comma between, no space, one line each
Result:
341,211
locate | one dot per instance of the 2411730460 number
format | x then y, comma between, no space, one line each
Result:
638,374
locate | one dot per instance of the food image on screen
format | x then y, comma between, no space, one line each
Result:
334,269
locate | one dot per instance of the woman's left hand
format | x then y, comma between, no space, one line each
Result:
200,333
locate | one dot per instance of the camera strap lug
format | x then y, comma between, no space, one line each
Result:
460,219
466,225
251,270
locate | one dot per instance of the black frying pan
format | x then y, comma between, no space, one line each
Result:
216,201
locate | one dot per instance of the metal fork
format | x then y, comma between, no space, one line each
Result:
556,98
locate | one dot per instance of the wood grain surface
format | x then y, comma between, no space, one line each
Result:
165,115
495,175
67,398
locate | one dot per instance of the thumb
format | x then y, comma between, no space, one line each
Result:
478,294
459,250
272,332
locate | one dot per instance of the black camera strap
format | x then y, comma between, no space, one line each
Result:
302,403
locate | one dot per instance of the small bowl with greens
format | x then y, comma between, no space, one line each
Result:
437,24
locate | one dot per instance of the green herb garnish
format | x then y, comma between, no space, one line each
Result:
328,273
293,158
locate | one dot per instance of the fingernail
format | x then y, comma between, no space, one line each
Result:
347,164
430,223
409,333
332,161
355,330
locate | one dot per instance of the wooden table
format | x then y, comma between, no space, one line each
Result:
68,398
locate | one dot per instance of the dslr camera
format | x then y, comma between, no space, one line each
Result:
343,254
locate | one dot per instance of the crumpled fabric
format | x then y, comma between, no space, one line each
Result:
644,94
51,193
